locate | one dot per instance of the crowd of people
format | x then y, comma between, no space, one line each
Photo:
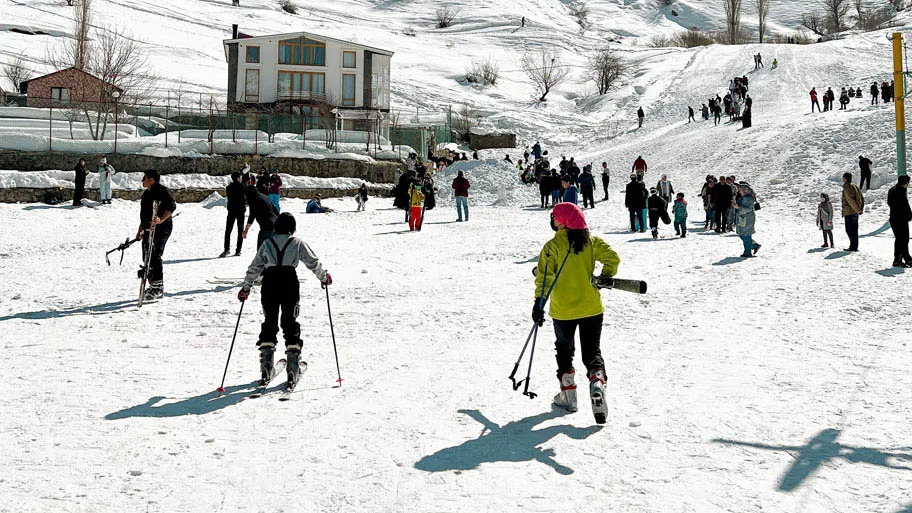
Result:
737,104
846,94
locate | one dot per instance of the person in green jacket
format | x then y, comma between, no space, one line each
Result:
568,263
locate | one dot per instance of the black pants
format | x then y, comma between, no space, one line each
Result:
281,291
851,227
162,232
545,199
588,198
605,188
721,219
590,341
901,244
234,217
828,233
78,192
865,178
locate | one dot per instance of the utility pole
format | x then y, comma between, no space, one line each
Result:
899,96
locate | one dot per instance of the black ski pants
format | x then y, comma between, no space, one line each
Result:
865,178
851,227
605,188
590,329
281,293
721,219
234,218
588,196
901,244
162,232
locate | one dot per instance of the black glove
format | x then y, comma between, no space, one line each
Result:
538,315
603,282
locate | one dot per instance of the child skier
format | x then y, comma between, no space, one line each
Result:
276,260
657,208
825,220
567,263
361,198
417,202
680,212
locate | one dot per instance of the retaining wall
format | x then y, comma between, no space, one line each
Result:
43,195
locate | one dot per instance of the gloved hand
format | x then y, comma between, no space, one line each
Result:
327,282
244,293
538,315
603,282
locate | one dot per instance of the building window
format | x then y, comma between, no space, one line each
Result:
295,85
302,51
253,55
348,90
380,83
60,95
252,86
349,60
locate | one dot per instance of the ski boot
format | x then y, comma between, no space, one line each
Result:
293,366
155,291
566,399
597,395
655,234
267,351
224,254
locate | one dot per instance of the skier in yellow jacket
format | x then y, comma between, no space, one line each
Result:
416,202
567,262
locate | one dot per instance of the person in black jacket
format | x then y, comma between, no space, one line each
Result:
722,199
237,207
263,211
401,193
544,189
635,203
587,186
161,220
865,165
657,208
79,191
900,215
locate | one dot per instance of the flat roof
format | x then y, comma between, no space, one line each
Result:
288,35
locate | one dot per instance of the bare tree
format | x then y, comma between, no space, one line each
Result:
606,68
733,20
814,22
465,120
580,13
544,72
16,73
763,8
446,16
326,114
835,11
859,9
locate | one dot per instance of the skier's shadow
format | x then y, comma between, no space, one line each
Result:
515,441
198,405
825,448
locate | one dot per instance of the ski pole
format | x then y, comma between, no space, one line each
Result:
533,333
221,388
332,332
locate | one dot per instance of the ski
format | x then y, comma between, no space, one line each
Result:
147,258
289,388
276,370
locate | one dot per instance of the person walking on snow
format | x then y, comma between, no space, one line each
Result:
680,215
900,215
79,190
639,166
587,186
814,102
276,261
865,166
275,188
875,92
537,150
544,189
657,208
825,220
759,60
361,198
843,99
575,303
105,173
690,114
666,191
853,203
160,219
744,227
641,116
606,179
461,192
416,202
635,203
237,208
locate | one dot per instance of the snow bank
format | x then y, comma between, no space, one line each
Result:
493,182
214,200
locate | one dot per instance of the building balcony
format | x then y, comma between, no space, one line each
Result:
302,96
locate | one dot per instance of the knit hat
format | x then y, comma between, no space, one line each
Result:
570,215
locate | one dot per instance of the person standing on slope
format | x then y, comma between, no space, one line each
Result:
544,189
853,203
106,173
571,194
900,215
237,208
639,166
567,263
641,116
680,215
79,190
159,219
875,92
665,189
461,192
657,208
276,261
587,186
825,220
606,179
634,201
416,202
744,227
814,102
690,114
864,165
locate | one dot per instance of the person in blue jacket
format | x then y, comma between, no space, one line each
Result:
571,194
315,205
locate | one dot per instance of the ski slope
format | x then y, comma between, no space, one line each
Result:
773,384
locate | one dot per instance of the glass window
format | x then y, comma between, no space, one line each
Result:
318,84
319,58
348,90
60,95
349,60
284,54
253,54
284,83
252,85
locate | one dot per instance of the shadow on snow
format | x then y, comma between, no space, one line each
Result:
199,405
516,441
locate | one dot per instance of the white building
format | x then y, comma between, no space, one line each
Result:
301,70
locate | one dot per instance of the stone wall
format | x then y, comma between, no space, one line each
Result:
491,141
218,165
39,195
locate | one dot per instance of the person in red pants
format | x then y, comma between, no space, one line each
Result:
416,202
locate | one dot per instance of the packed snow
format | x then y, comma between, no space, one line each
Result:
771,384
